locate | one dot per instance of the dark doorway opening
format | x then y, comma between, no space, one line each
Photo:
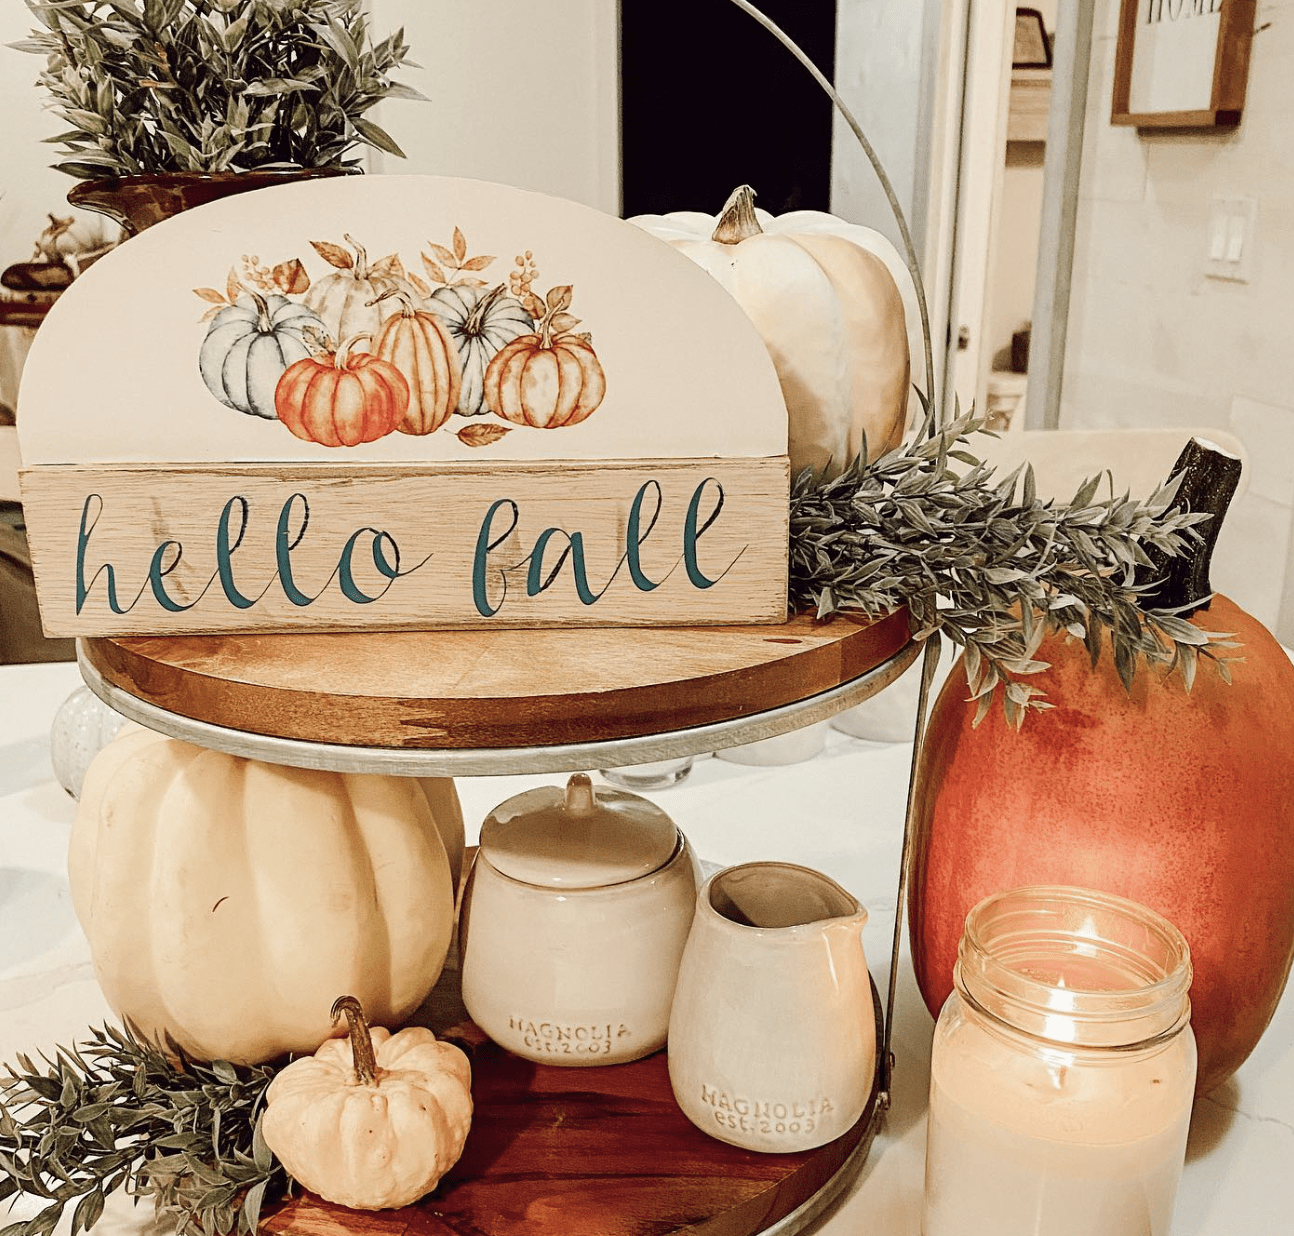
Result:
711,100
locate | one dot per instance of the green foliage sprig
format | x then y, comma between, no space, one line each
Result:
118,1112
213,85
986,563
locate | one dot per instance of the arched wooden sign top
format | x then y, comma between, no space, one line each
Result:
396,402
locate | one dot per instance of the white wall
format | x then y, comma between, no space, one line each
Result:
521,92
885,71
29,188
1015,245
1154,342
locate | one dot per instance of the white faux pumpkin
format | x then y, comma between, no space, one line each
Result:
374,1122
227,901
837,310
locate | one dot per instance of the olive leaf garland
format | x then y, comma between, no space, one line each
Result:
118,1112
983,561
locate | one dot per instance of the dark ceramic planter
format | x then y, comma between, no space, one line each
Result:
137,202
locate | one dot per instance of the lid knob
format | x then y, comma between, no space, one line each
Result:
577,836
579,795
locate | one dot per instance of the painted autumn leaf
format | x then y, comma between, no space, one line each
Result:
334,255
233,285
564,322
453,266
434,269
290,277
210,294
390,266
481,435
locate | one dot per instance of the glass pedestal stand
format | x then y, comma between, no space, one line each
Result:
566,1152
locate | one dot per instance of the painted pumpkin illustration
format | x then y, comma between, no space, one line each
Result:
248,346
349,300
550,378
418,344
342,398
480,323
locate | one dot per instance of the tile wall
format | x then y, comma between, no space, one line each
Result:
1155,342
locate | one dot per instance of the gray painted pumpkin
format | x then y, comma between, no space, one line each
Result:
248,346
480,323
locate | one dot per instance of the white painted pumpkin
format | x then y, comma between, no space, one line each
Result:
227,901
837,310
373,1122
349,301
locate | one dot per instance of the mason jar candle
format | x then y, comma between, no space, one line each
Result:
1062,1072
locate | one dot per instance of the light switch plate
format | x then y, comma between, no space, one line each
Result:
1229,241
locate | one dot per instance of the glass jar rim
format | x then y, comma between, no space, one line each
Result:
1019,945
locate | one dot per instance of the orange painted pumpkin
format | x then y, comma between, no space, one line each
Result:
341,398
548,379
1181,801
418,345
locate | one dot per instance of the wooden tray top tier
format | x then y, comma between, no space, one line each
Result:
494,689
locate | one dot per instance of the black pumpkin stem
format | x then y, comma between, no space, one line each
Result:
361,1041
1208,480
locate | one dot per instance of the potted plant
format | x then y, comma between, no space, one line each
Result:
172,103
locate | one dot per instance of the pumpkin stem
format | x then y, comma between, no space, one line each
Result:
361,257
407,308
1207,478
264,323
361,1041
342,355
737,221
475,322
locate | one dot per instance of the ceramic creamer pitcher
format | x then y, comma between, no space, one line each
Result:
574,918
772,1038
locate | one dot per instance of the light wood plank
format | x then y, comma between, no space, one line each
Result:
275,547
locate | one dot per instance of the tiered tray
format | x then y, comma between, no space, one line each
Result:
552,1152
474,703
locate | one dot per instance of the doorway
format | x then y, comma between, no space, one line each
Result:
710,101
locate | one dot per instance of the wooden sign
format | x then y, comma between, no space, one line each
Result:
1182,63
400,403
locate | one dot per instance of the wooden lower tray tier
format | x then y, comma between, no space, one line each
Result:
474,690
593,1152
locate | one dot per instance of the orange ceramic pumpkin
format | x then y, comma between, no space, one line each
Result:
418,345
1181,801
547,379
342,398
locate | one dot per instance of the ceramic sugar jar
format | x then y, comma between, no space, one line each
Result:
575,915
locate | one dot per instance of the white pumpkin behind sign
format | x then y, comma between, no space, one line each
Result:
837,310
227,901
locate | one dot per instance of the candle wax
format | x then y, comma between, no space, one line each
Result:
1031,1146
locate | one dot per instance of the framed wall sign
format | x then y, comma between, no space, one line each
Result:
1032,47
1182,64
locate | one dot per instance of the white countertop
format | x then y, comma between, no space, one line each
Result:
840,813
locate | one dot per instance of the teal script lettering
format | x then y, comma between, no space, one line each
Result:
291,528
540,576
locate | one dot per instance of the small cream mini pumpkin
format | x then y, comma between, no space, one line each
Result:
836,308
226,901
372,1122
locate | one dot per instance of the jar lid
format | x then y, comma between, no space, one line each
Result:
577,837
